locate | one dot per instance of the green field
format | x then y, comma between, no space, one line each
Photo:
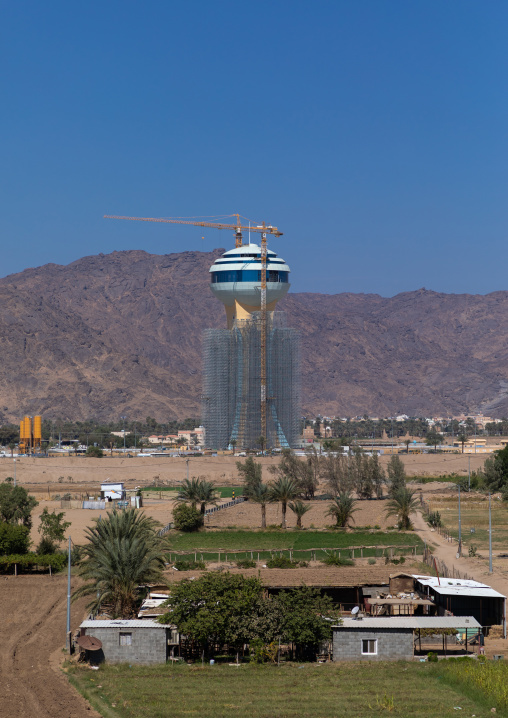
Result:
242,543
419,690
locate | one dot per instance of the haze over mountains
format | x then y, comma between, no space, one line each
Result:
120,334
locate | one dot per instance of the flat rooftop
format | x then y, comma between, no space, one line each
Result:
322,577
457,587
414,622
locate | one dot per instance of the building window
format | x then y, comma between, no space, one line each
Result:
369,647
126,639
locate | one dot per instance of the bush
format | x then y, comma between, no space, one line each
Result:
183,565
371,561
14,539
95,452
246,563
57,561
338,561
284,562
46,546
434,519
432,657
187,518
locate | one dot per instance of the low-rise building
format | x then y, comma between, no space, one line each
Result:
390,639
132,641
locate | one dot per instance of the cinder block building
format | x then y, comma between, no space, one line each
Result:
132,641
390,638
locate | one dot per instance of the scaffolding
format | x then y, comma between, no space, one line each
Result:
232,384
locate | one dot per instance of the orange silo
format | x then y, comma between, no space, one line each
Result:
37,432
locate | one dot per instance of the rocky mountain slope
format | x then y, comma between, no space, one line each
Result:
119,334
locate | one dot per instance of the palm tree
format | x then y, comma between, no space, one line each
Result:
283,490
261,494
233,443
206,494
300,509
123,552
402,504
190,492
342,509
462,438
261,442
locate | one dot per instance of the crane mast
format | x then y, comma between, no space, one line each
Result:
237,227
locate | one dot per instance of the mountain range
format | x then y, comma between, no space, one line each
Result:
120,334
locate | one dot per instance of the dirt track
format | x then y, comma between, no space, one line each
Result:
32,634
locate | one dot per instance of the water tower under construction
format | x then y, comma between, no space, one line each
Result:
251,385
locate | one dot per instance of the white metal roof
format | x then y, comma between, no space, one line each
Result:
412,622
458,587
119,623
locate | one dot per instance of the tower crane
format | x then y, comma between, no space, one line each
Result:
262,229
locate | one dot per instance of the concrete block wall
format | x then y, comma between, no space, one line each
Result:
393,644
148,644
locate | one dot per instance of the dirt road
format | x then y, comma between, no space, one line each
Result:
32,633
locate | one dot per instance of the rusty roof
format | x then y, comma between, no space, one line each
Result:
321,577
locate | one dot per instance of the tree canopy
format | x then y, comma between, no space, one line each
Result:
16,505
224,608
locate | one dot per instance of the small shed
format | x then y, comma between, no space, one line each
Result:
388,639
401,583
131,641
113,491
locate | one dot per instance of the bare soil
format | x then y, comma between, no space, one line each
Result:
32,634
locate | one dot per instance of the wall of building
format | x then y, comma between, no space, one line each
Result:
148,644
393,644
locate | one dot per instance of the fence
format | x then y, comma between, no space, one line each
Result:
443,569
233,502
94,505
308,554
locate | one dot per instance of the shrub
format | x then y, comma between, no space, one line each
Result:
338,561
46,546
284,562
371,561
95,452
30,560
14,539
246,563
434,519
183,565
432,657
187,518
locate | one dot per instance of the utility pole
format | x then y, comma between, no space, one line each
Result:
469,474
123,417
490,535
460,531
187,462
68,639
14,472
392,433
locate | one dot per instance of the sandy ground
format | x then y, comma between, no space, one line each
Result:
80,473
32,634
247,515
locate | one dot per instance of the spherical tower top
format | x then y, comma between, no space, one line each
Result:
236,281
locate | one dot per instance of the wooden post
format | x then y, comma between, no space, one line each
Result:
15,569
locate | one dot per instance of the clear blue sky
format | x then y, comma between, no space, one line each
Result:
374,133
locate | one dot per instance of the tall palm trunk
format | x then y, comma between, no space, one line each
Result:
263,516
284,508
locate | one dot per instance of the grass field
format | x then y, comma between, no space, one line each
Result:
474,515
243,542
294,690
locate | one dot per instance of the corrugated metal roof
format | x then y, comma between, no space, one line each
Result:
412,622
458,587
119,623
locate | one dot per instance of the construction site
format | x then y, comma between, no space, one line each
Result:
252,368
